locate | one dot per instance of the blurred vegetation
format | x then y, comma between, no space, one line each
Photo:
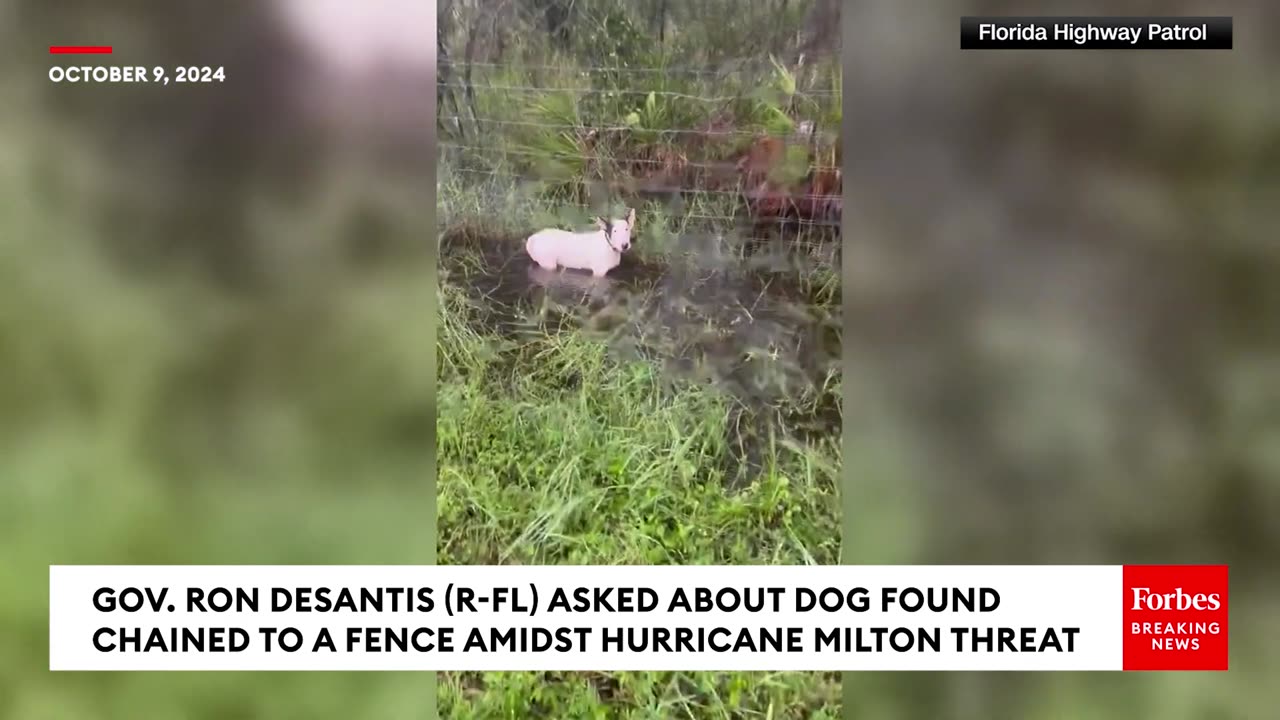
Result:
1065,331
641,100
683,410
551,451
207,349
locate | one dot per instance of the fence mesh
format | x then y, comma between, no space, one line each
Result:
736,146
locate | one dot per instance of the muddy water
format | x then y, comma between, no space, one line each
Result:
758,331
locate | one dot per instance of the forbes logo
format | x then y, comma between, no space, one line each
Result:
1144,599
1184,639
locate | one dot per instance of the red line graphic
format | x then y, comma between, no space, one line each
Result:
79,49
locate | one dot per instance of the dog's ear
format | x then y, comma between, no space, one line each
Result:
631,218
602,224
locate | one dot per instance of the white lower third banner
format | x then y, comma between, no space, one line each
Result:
614,618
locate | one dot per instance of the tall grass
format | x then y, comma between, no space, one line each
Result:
666,418
553,450
685,409
646,130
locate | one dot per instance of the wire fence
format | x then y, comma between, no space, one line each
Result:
710,166
494,154
717,219
752,64
714,99
707,133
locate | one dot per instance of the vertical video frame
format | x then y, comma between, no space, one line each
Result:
665,389
206,355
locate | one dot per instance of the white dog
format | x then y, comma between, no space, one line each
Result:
599,251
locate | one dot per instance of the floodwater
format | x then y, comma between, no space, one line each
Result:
757,330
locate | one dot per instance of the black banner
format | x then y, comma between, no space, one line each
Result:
1095,33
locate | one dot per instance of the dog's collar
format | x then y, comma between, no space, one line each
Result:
608,237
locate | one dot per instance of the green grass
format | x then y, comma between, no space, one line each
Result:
637,696
556,448
661,422
551,451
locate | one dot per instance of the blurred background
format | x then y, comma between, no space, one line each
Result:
215,323
1064,329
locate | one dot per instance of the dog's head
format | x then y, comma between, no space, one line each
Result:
618,232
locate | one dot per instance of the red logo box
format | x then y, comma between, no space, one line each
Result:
1175,617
